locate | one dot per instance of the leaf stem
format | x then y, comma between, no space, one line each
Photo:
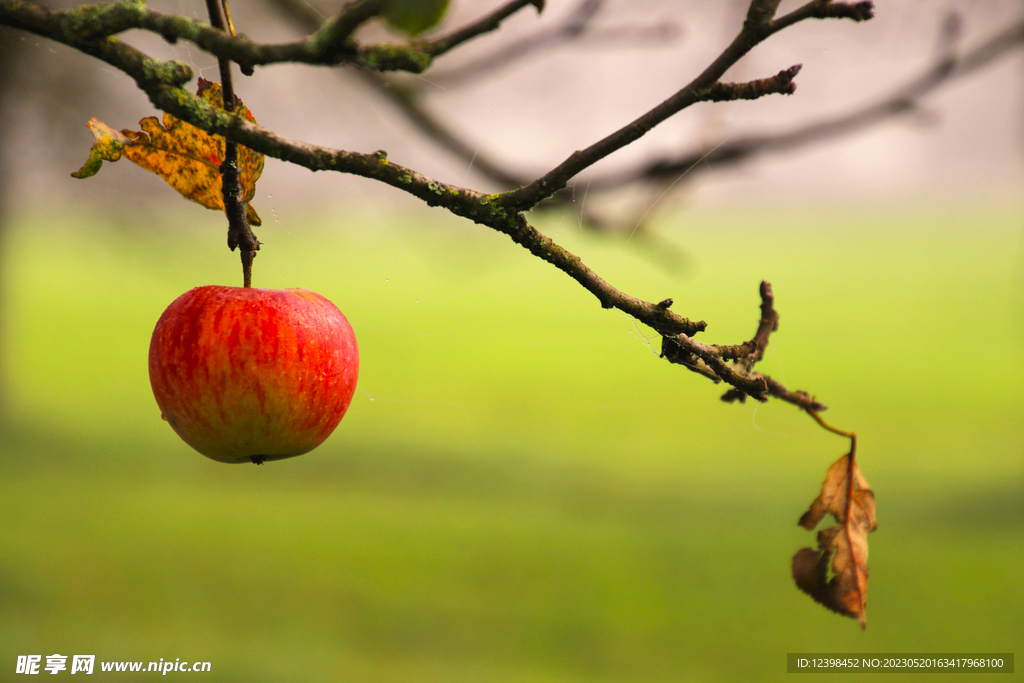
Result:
227,16
849,435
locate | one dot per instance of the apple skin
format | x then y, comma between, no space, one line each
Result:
247,375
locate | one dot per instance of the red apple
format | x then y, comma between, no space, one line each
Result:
247,375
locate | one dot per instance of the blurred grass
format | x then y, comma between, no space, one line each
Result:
521,490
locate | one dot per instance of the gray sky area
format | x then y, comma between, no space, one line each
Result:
966,141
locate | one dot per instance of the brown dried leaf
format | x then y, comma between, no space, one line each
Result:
187,157
836,574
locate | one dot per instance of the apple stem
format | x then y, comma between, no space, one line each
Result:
239,232
247,257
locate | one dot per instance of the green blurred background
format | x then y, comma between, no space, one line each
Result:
521,490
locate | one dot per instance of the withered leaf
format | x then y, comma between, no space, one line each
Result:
836,574
187,157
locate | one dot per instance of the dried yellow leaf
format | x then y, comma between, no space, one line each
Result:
187,157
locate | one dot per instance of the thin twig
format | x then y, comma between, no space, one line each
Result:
240,234
750,352
484,24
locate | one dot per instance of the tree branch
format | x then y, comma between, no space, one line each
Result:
406,97
711,361
825,9
329,45
752,351
162,82
336,32
903,100
698,90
